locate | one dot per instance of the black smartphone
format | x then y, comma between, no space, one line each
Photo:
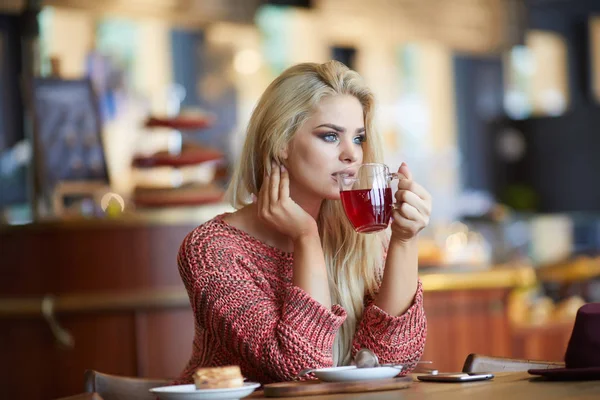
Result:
455,377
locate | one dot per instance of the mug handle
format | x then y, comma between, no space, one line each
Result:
395,175
392,176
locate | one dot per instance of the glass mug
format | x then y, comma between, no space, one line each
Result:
367,197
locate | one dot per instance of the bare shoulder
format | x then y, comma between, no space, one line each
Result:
242,219
235,219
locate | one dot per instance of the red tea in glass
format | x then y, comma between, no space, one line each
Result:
367,197
368,210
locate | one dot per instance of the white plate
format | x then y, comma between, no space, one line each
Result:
351,373
189,392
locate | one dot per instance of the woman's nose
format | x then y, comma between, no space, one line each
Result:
350,152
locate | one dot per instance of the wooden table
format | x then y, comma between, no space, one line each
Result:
509,386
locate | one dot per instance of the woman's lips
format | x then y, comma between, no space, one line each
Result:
346,172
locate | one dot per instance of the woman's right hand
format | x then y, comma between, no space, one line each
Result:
276,207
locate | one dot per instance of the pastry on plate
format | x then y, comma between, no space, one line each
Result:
219,377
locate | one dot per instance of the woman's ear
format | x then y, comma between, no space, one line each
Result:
283,154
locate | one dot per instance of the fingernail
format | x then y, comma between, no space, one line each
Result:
282,167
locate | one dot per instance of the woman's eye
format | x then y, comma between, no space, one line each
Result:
330,137
360,139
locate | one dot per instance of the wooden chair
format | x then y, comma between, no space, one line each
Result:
99,386
480,363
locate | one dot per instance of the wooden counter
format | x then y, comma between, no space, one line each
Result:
108,296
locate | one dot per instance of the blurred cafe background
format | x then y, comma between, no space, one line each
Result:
120,121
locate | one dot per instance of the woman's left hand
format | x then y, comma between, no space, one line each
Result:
413,208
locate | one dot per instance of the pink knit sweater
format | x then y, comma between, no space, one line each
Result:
248,313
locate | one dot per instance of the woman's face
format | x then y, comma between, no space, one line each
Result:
331,140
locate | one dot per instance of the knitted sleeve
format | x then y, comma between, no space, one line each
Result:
395,339
277,337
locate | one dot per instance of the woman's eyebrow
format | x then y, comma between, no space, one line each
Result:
339,128
332,126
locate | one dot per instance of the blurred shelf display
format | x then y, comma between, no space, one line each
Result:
191,154
184,122
175,176
185,195
184,173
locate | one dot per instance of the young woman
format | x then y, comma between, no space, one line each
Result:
285,283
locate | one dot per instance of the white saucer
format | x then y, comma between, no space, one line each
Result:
189,392
351,373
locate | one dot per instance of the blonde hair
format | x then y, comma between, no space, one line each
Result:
353,260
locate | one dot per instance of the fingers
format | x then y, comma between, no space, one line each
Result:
409,212
409,184
284,184
410,219
274,183
412,212
403,170
263,193
406,196
412,186
413,205
407,226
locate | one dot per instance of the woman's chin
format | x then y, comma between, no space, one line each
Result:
333,195
328,192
